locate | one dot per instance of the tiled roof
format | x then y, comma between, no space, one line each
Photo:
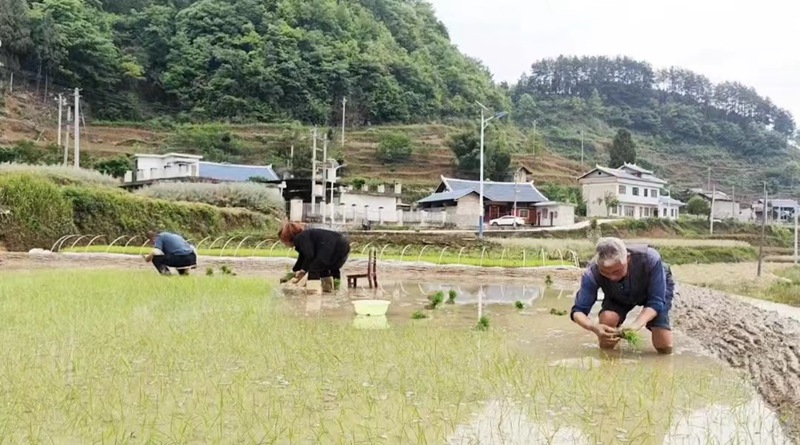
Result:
619,173
790,203
236,172
669,200
445,196
498,191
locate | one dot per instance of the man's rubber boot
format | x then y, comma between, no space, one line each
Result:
327,285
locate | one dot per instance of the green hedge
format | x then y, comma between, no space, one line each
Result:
41,212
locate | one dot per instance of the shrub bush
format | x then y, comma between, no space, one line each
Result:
252,196
42,212
60,174
394,147
39,212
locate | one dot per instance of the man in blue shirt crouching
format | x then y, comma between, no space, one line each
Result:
175,252
630,276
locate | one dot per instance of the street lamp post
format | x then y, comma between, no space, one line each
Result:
484,123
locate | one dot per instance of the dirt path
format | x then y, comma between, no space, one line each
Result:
764,343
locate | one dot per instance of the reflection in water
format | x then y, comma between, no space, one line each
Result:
752,422
576,393
370,322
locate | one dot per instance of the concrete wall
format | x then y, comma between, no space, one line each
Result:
469,205
158,167
563,215
725,209
594,192
671,212
372,204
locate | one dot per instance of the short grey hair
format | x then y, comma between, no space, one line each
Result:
610,251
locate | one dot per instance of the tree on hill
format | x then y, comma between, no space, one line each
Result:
466,147
623,149
675,105
250,60
698,206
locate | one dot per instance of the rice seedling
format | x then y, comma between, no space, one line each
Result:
436,299
558,312
133,355
472,258
548,280
519,305
451,296
419,315
209,271
483,324
632,337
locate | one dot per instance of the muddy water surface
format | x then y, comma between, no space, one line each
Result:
578,394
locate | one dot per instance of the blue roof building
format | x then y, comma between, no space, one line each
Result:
236,172
181,167
460,198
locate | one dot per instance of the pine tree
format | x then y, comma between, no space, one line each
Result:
623,149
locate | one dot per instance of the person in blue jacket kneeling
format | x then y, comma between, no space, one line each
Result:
629,276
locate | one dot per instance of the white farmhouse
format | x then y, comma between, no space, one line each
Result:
627,192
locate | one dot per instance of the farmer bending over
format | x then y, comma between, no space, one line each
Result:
320,253
175,252
629,276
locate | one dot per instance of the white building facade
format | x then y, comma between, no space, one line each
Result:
626,192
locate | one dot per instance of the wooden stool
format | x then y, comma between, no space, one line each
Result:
371,275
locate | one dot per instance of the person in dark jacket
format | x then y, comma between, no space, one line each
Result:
321,253
629,276
175,252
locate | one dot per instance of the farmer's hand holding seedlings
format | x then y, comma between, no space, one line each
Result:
629,276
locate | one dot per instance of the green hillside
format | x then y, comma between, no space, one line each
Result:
243,81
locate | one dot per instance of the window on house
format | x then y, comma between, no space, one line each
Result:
555,215
646,210
629,211
622,190
614,210
654,193
523,213
645,193
672,212
636,191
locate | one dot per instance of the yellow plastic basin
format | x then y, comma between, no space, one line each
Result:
372,308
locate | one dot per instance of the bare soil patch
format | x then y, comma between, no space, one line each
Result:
764,343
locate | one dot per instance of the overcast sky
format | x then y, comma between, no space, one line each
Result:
753,42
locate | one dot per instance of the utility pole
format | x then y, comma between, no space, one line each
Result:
60,106
77,130
313,170
324,178
581,148
733,203
480,219
711,213
763,230
344,110
66,145
515,201
795,236
709,179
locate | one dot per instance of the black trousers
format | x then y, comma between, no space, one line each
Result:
334,269
162,263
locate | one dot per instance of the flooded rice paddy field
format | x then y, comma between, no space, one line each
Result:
575,393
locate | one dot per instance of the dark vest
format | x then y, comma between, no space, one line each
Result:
637,280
